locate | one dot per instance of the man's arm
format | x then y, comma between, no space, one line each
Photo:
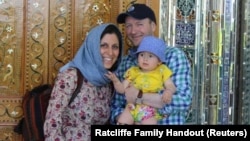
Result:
117,106
169,91
181,68
154,100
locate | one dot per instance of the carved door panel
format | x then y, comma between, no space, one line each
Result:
37,37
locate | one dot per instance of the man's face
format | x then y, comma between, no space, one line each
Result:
136,29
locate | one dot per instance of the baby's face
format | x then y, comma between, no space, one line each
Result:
148,61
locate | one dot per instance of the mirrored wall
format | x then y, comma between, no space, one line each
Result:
215,36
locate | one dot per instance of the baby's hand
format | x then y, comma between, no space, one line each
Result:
167,96
112,76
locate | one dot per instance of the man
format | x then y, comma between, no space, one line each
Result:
140,21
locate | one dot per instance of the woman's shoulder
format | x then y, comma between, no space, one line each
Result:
68,72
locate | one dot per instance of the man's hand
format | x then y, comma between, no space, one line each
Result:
151,99
167,96
131,93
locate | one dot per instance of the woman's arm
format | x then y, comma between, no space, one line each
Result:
60,95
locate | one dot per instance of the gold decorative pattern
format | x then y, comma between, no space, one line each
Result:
214,58
60,33
95,13
10,110
36,43
7,134
10,47
215,16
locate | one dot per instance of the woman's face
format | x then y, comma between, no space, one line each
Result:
109,49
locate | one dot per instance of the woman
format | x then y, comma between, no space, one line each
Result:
101,52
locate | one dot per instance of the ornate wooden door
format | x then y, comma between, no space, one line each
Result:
37,37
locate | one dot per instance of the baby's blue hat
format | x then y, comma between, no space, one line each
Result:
153,45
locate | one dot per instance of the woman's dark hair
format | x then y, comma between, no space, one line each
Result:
113,29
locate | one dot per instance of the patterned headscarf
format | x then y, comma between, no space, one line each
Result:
88,58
